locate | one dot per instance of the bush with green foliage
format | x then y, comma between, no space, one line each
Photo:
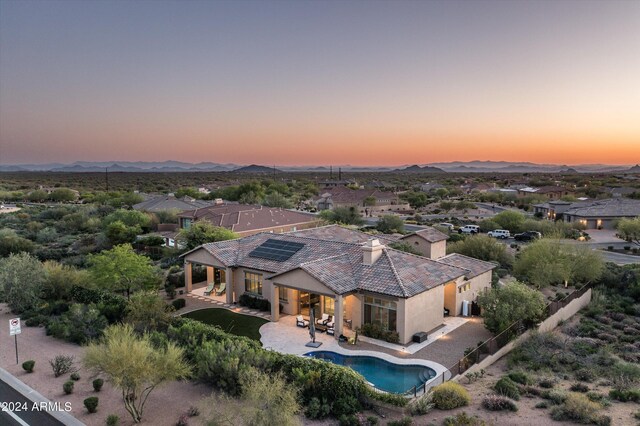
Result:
502,306
113,420
405,421
254,302
463,419
91,403
75,377
67,387
577,408
80,324
499,403
507,387
520,377
421,405
484,248
450,395
97,384
579,387
376,331
28,366
625,395
22,278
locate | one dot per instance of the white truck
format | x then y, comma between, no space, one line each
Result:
469,229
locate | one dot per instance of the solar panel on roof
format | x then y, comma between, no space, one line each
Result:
277,250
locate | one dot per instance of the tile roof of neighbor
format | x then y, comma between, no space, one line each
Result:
474,266
248,217
611,207
429,234
169,202
347,195
346,235
339,266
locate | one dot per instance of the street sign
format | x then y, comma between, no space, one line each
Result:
14,326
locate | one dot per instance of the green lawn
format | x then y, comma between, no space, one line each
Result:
241,325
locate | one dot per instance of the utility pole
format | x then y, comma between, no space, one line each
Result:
330,172
106,177
340,173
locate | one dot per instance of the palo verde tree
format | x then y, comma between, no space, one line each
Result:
204,232
629,230
122,269
132,364
21,280
547,262
388,224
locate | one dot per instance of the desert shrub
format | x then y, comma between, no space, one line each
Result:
317,409
542,404
577,408
421,405
193,411
498,403
75,377
599,398
62,364
254,302
67,387
547,383
28,366
390,398
405,421
625,395
79,324
585,375
450,395
179,304
372,421
91,403
556,397
376,331
579,387
520,377
463,419
183,420
348,420
113,420
97,384
507,387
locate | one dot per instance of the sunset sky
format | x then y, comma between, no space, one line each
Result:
320,82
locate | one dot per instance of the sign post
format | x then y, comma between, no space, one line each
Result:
14,330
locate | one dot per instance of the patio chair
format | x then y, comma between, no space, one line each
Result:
222,289
209,289
301,322
331,326
324,320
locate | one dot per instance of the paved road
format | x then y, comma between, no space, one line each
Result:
22,417
619,258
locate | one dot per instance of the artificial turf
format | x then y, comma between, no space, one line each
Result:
238,324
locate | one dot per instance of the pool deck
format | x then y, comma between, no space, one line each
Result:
285,337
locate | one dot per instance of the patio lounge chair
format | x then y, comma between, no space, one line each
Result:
208,290
222,289
330,326
301,322
324,320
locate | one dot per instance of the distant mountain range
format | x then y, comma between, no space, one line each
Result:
451,167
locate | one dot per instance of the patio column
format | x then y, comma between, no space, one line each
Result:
188,282
338,310
209,274
275,303
228,276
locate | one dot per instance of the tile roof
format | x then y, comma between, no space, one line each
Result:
340,233
339,265
474,266
612,207
169,202
429,234
246,217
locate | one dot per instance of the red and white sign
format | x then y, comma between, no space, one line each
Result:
14,326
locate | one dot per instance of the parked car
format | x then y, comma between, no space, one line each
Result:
499,233
449,226
469,229
528,236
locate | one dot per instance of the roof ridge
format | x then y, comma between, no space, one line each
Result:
405,293
290,234
468,257
323,258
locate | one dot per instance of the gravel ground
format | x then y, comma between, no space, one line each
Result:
163,407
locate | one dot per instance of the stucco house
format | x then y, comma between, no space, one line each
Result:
592,214
369,202
346,274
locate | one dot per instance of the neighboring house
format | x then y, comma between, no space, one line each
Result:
338,183
170,202
594,214
357,279
246,219
429,242
383,201
169,232
551,192
624,191
431,187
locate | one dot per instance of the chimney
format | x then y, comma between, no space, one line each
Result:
218,202
371,252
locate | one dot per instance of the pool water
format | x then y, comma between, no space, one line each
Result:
384,375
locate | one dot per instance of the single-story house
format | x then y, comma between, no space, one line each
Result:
247,219
358,280
593,214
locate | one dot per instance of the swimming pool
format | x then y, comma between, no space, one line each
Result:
384,375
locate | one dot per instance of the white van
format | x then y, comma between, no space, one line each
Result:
469,229
499,233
